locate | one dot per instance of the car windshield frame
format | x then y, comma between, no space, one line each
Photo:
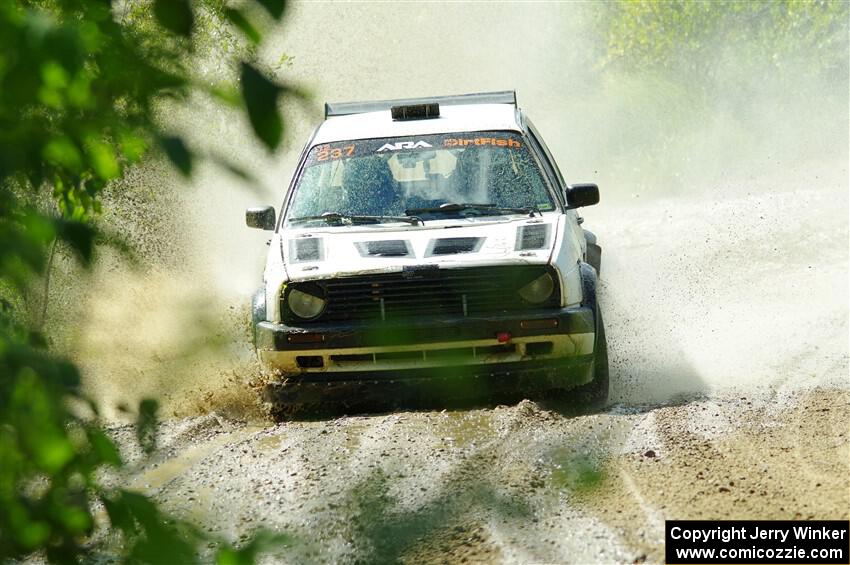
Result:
530,148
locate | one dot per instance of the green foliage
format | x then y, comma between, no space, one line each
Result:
241,21
261,96
695,90
80,85
176,150
175,15
274,7
648,35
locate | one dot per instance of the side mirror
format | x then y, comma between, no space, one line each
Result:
578,195
262,217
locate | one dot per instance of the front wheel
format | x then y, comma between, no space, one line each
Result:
596,391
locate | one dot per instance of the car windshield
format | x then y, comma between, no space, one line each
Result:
389,176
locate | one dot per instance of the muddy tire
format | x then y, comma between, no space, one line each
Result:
596,391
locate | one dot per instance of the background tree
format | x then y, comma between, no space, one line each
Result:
698,89
688,35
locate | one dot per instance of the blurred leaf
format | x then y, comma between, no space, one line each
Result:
158,541
141,509
102,159
262,542
39,229
76,520
175,15
260,95
120,242
35,534
132,146
79,236
178,153
103,448
63,152
79,91
274,7
54,75
119,513
233,169
67,375
226,94
146,425
237,18
53,452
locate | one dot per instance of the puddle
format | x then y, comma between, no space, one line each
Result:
465,429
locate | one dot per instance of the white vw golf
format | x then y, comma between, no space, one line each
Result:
429,247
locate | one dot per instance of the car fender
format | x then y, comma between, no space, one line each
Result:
589,282
566,256
258,310
274,277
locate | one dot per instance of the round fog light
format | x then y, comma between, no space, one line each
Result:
538,290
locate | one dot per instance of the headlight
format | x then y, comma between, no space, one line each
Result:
538,290
304,304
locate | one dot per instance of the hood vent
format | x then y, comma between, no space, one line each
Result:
534,236
305,249
454,245
386,248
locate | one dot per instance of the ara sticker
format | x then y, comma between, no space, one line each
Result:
404,145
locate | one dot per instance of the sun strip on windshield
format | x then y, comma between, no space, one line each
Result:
335,151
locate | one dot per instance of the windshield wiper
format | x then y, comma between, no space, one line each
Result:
451,208
338,218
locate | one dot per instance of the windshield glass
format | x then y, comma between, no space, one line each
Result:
385,177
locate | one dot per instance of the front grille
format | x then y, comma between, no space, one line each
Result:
474,291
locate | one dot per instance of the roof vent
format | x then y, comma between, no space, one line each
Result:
454,245
416,112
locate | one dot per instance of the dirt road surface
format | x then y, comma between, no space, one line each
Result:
727,321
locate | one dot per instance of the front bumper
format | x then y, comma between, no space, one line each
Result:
535,344
425,387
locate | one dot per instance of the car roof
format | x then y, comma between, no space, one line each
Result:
453,118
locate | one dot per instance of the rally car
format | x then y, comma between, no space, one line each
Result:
429,244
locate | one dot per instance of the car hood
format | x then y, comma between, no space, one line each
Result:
334,251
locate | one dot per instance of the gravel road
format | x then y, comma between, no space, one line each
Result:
515,483
727,319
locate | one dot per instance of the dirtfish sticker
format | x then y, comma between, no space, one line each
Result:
494,141
404,145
